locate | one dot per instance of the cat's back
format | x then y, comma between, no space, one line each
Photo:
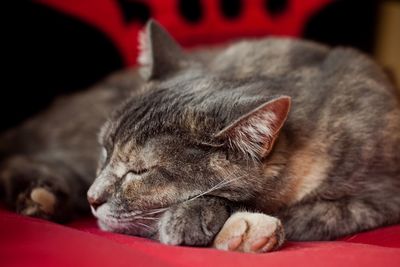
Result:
319,79
268,56
343,104
71,121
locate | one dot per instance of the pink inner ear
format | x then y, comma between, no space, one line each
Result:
256,132
280,107
144,58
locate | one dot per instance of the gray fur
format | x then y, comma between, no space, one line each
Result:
193,223
334,169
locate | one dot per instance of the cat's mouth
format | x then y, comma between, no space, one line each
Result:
139,223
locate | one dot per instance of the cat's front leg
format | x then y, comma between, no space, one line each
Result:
250,232
40,188
193,223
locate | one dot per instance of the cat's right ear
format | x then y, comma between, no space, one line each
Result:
256,132
160,55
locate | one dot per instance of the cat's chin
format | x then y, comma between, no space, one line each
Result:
109,223
122,229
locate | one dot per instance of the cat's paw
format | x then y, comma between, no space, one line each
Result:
39,201
250,232
193,223
32,189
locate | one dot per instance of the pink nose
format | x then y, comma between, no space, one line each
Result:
95,202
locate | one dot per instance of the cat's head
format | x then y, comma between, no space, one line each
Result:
188,133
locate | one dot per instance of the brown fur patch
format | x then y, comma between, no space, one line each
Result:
391,137
392,129
307,169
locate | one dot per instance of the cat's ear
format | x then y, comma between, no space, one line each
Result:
255,132
159,54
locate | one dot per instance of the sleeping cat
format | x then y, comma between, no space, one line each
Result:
237,147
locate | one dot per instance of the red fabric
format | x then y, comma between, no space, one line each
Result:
31,242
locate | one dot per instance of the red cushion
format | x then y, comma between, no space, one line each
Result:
32,242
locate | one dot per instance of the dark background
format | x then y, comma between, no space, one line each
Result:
49,53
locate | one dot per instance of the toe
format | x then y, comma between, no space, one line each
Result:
259,243
231,235
234,243
44,198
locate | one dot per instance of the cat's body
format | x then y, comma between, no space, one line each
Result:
199,124
65,135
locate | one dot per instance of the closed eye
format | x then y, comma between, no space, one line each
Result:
138,172
134,175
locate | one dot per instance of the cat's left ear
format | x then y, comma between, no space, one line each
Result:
256,132
159,54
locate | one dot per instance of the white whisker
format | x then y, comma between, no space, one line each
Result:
215,187
132,213
155,211
147,227
135,218
147,218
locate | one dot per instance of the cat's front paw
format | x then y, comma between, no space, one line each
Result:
33,190
193,223
39,201
250,232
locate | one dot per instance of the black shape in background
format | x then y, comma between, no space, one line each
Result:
191,10
231,9
345,22
134,11
49,54
275,7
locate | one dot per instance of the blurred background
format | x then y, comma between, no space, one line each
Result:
57,47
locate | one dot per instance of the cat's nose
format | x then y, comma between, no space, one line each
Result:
95,202
101,189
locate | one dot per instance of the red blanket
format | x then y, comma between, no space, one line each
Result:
31,242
